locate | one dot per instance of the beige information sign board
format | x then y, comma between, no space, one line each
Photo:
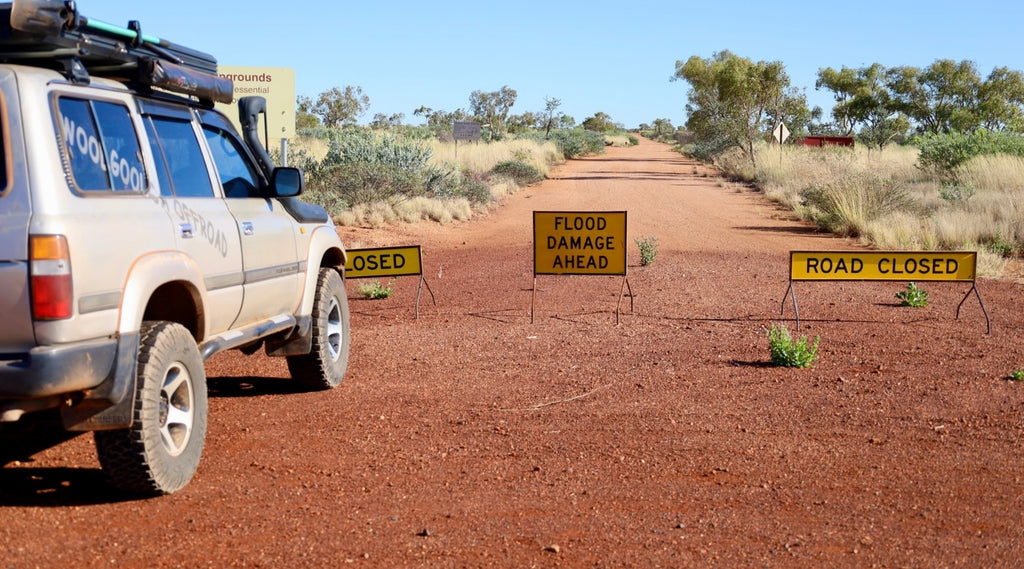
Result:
383,262
579,243
883,266
275,84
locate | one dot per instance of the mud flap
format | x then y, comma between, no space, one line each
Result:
298,343
109,405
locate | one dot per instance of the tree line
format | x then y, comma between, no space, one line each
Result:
339,107
734,102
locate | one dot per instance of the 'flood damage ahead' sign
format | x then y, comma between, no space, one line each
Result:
883,266
579,243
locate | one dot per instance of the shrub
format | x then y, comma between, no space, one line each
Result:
1017,375
576,142
374,290
363,167
913,296
954,192
785,351
846,206
944,154
1001,248
523,173
648,249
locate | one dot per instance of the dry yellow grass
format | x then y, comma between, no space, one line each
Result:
315,147
480,157
618,140
988,221
380,213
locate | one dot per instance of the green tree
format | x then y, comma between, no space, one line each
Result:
440,119
941,98
440,122
524,122
662,126
600,122
304,117
734,102
845,85
381,120
864,104
492,108
550,107
337,107
1001,101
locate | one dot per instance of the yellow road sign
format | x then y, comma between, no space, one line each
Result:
383,262
579,243
883,265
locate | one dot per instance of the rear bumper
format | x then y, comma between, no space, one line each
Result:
54,370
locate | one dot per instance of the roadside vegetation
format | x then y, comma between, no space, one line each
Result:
937,161
388,172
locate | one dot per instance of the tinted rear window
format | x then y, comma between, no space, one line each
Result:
101,145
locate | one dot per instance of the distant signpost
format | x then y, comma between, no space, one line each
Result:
466,130
780,133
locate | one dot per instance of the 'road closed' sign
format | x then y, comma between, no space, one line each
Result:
579,243
883,266
384,262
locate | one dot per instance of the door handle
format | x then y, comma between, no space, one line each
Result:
247,228
186,230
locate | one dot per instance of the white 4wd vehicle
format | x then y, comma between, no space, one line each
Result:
141,235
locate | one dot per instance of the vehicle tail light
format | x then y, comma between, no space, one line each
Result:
50,266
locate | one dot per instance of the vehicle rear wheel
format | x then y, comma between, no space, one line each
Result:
324,367
160,452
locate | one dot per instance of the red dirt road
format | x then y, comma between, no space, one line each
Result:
472,437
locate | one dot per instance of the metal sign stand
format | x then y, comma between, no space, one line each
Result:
625,285
974,289
423,281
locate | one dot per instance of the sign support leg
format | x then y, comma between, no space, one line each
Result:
533,298
796,310
624,285
423,281
974,288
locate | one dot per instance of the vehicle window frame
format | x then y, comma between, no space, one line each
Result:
158,143
6,164
216,124
67,161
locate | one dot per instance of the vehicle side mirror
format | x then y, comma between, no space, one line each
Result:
287,182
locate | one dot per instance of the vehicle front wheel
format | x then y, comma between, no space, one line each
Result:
324,367
160,452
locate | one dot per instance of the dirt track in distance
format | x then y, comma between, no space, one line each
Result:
472,437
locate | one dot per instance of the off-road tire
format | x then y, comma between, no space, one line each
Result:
160,452
324,367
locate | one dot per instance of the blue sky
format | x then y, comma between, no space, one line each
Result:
596,56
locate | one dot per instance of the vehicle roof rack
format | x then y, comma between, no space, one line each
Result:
52,34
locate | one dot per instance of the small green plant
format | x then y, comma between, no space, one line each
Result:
956,193
787,352
1017,375
1001,248
913,296
648,249
375,291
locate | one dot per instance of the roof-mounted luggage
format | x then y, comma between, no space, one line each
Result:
52,33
